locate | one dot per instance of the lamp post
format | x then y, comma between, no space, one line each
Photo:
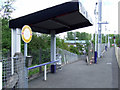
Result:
99,37
95,53
99,26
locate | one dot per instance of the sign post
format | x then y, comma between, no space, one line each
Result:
26,36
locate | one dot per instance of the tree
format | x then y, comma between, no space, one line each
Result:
6,36
5,12
6,9
70,36
118,40
80,36
74,49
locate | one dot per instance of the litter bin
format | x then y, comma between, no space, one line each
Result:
53,68
28,61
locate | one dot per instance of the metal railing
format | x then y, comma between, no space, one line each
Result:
45,65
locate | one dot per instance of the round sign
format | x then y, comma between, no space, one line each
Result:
26,34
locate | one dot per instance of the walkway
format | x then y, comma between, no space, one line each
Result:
80,75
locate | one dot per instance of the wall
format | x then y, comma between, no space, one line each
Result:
117,52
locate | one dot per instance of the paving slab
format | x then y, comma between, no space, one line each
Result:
80,75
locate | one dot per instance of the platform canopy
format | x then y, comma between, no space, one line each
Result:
61,18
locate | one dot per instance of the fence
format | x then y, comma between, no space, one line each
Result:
0,74
6,72
19,78
90,52
102,47
91,48
39,56
68,57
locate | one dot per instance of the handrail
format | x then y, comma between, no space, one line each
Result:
42,65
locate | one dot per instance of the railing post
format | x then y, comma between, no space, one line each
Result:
0,75
40,60
45,76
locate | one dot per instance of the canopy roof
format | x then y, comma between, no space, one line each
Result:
61,18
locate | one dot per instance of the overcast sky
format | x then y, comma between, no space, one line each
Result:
109,11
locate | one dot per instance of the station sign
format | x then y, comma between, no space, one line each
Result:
26,33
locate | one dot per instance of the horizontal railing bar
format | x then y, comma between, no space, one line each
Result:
41,65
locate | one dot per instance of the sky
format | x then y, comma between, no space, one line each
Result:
109,12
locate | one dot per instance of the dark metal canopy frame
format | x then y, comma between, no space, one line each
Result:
61,18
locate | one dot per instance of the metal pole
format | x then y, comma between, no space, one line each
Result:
108,41
53,49
99,27
92,36
105,39
45,76
114,39
13,48
25,68
53,45
114,43
95,35
25,50
0,75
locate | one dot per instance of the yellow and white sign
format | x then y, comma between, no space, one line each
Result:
26,34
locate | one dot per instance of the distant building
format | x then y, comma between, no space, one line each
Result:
73,42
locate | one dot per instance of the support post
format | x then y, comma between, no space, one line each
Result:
13,48
53,46
99,27
45,76
0,75
53,50
18,40
15,45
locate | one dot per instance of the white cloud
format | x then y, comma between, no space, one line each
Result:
24,7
